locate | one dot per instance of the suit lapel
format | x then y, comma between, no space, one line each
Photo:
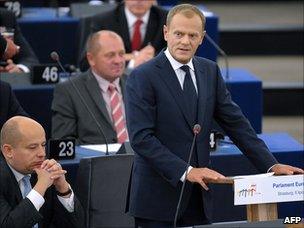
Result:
7,177
123,30
169,77
94,91
151,30
202,82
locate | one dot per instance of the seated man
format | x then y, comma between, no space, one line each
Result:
50,202
26,57
9,104
94,97
140,24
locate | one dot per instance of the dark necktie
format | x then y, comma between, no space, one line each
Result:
190,94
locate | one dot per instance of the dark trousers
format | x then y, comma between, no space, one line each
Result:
193,215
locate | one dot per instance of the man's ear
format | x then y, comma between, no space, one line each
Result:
165,31
90,59
7,151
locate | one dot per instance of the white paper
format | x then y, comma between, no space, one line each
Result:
253,176
114,147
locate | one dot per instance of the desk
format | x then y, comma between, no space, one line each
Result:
47,31
229,161
245,88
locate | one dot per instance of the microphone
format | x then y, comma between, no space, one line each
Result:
221,51
196,130
55,57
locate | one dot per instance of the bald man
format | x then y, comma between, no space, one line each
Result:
33,189
71,118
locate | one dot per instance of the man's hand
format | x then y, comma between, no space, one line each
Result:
57,174
11,67
44,181
281,169
144,55
11,50
202,176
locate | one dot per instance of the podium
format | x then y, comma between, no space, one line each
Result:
261,193
102,186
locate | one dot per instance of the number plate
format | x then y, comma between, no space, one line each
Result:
14,6
45,74
61,148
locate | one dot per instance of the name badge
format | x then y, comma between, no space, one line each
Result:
45,74
61,149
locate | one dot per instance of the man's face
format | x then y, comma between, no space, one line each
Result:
139,7
29,151
109,61
183,36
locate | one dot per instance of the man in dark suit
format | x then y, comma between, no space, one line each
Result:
7,48
71,117
165,98
33,190
26,57
123,19
9,105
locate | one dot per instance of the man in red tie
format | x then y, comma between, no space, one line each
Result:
102,88
140,24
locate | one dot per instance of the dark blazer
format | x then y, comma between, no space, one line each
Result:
17,212
9,105
2,46
70,117
26,56
161,134
115,20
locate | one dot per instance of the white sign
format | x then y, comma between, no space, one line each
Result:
268,189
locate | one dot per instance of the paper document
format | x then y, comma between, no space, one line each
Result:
253,176
114,147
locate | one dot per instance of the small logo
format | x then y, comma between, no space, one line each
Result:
292,220
251,191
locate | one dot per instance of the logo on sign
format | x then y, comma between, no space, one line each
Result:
248,192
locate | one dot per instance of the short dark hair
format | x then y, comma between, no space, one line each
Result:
188,11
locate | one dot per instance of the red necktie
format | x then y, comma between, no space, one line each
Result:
136,39
117,115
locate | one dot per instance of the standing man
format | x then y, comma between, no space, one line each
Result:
101,87
139,23
33,190
165,98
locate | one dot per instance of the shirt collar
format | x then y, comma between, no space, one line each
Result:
104,84
175,64
17,174
131,18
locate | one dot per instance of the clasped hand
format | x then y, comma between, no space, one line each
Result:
50,173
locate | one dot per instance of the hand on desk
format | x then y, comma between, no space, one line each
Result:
11,67
202,176
281,169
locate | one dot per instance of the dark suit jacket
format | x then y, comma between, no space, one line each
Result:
161,134
70,117
115,20
18,212
26,56
2,46
9,105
